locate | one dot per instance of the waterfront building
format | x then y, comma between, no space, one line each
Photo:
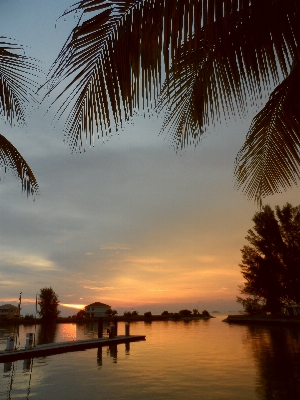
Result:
9,311
96,309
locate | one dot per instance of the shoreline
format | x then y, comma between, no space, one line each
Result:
262,320
135,318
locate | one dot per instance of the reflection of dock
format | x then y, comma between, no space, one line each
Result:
64,347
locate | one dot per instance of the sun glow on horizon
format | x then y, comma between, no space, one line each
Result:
77,306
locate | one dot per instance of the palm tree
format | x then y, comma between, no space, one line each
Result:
199,60
15,91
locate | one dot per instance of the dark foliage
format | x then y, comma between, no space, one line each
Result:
216,58
29,316
185,313
80,314
205,313
48,302
271,263
148,314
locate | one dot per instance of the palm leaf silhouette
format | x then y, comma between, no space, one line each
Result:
273,143
16,90
12,159
215,58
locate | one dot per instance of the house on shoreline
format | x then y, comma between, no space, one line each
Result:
96,309
292,310
8,311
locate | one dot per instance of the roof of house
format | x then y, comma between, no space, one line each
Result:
97,304
8,306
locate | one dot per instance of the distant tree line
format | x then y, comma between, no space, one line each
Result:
148,314
271,262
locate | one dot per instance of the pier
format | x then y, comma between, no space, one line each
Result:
246,319
65,347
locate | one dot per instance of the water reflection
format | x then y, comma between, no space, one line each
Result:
112,350
7,367
277,352
46,333
99,356
177,358
27,364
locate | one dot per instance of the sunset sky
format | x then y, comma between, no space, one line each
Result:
130,222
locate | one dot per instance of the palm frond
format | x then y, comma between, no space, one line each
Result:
17,85
16,81
216,57
269,160
11,159
115,61
232,61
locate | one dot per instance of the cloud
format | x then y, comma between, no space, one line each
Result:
16,300
99,288
222,290
89,253
147,260
114,246
8,283
63,239
28,261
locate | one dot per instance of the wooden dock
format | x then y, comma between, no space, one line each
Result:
64,347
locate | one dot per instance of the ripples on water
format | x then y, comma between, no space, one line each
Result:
179,360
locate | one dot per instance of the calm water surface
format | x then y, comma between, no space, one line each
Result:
179,360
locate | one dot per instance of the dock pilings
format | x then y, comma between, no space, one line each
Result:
100,327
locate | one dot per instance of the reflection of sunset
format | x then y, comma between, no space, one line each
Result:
68,332
77,306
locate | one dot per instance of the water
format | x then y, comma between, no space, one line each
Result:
207,360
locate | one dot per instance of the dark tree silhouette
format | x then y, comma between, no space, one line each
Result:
271,263
185,313
48,302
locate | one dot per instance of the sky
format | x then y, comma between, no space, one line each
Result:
130,222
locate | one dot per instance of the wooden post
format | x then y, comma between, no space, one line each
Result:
100,327
116,325
112,333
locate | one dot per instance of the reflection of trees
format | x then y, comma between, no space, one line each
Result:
277,352
46,333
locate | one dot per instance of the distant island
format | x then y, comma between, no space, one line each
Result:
185,315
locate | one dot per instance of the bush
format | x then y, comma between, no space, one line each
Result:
205,313
80,314
29,316
253,305
185,313
148,314
127,314
165,313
